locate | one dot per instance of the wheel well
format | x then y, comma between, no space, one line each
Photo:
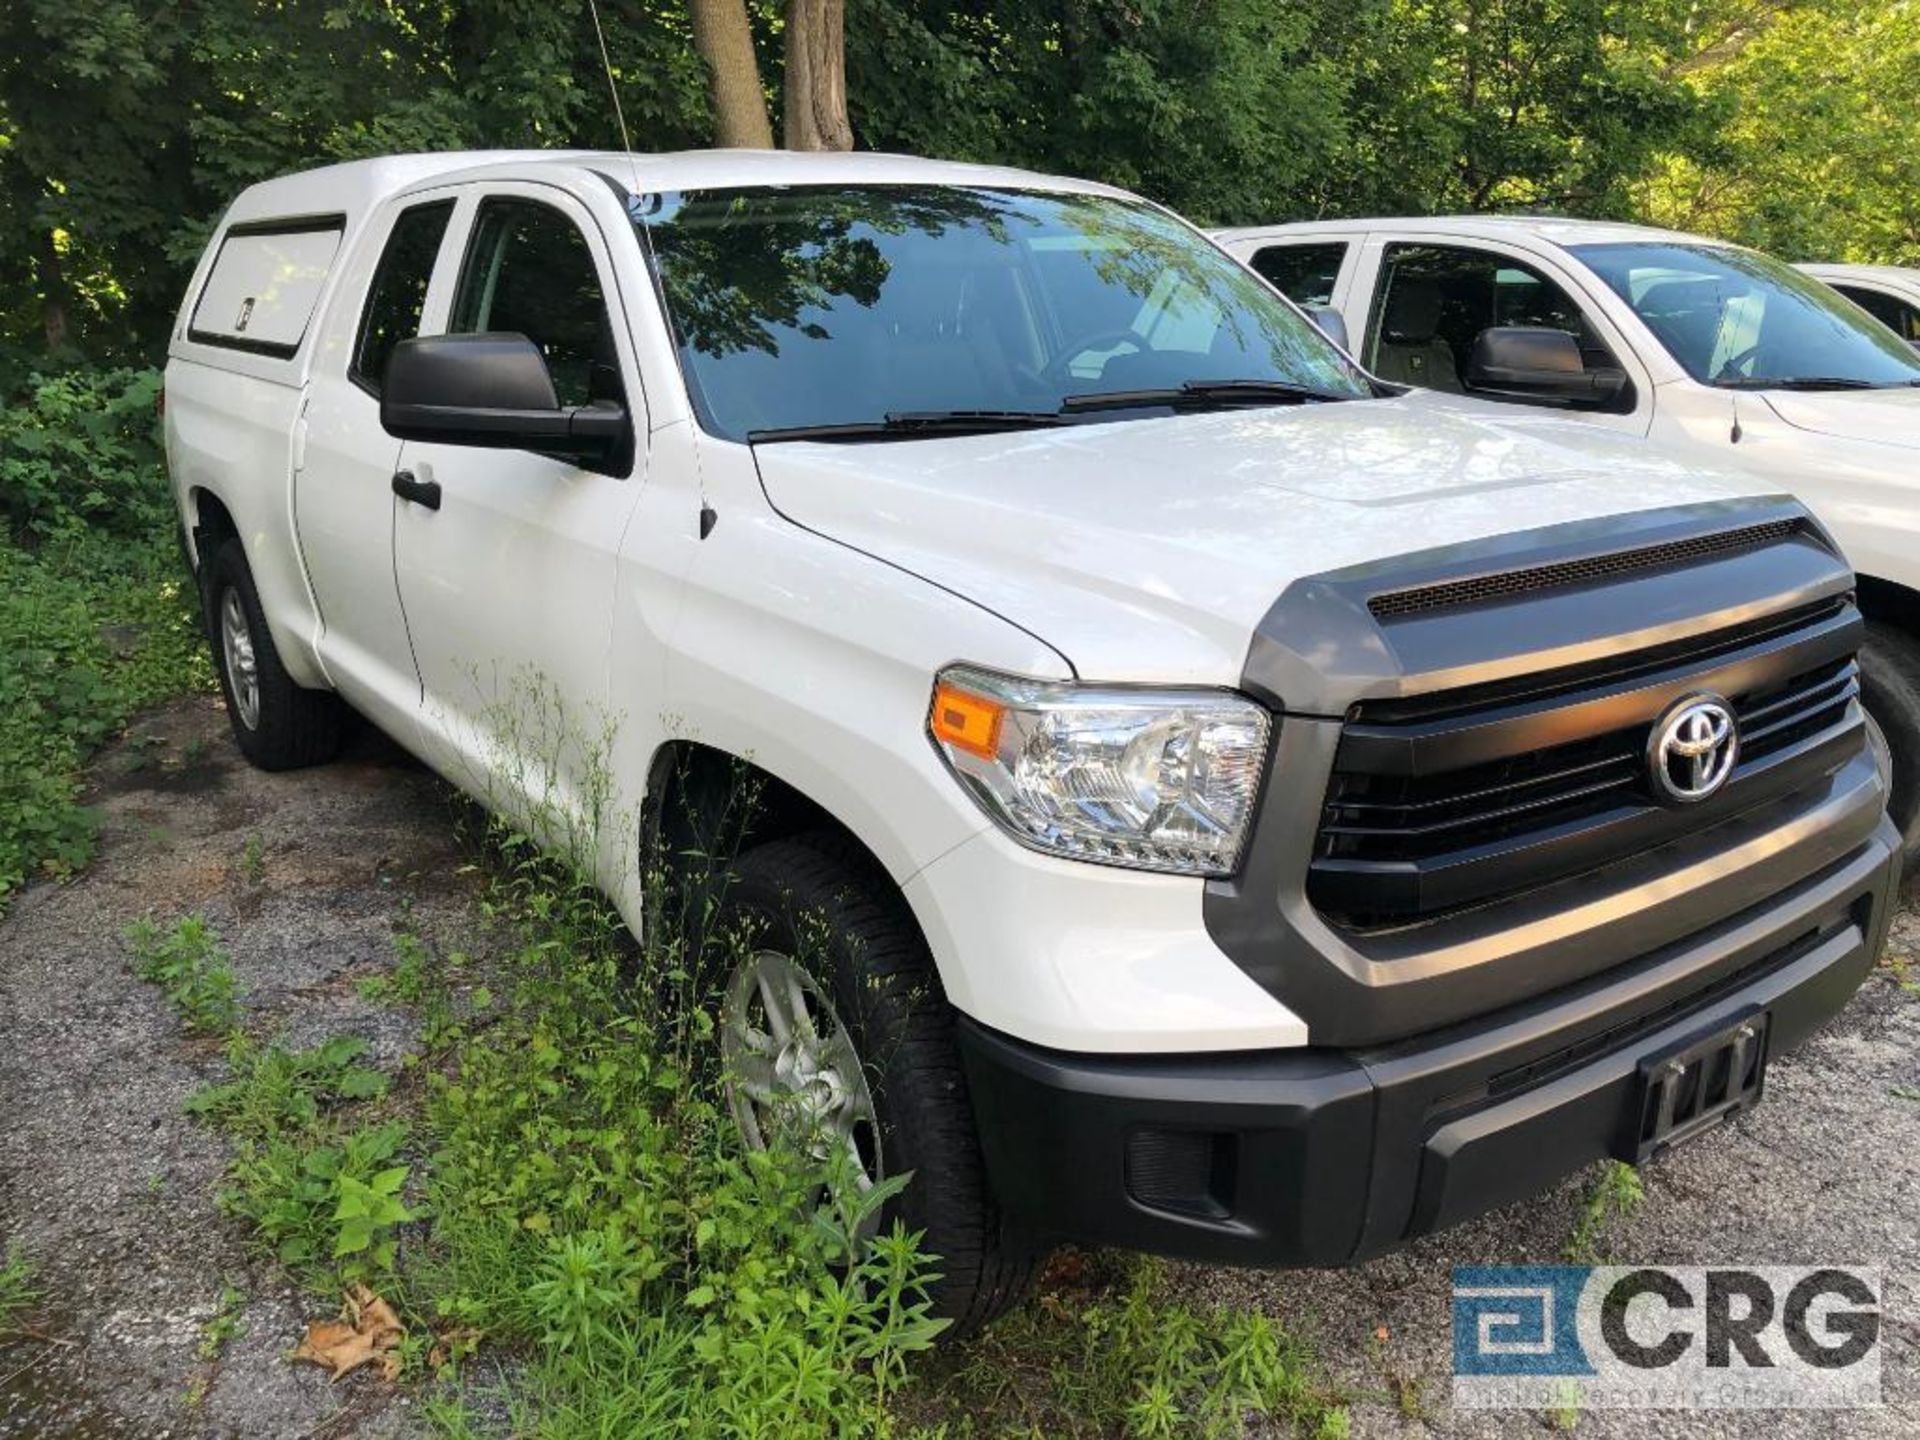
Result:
1888,603
703,802
212,523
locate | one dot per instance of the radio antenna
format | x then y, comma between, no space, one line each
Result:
619,115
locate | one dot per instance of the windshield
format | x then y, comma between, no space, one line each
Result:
813,307
1741,320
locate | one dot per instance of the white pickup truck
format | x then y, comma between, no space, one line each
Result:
1255,815
1693,342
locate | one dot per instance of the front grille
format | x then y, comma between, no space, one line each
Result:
1455,800
1503,584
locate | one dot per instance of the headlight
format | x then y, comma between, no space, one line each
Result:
1151,779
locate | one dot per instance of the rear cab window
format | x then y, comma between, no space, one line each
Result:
264,284
398,293
1305,274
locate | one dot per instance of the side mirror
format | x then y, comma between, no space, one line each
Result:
1531,362
492,390
1332,323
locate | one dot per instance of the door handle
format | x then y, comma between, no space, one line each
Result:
420,492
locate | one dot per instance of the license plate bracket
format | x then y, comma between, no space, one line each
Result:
1694,1086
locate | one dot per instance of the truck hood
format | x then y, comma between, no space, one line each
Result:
1149,550
1887,417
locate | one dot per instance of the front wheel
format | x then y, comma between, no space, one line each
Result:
834,1014
1890,690
277,724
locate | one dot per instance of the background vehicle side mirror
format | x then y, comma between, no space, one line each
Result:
492,390
1534,362
1331,322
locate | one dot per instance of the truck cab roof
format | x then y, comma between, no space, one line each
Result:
354,186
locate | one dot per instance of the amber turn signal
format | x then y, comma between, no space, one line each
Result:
966,721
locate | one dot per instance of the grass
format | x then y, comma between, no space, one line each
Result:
185,960
1103,1350
558,1183
18,1291
69,680
1615,1194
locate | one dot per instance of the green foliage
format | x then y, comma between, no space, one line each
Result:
1109,1354
96,620
19,1292
326,1202
79,449
223,1325
590,1201
274,1089
1814,157
186,962
1616,1193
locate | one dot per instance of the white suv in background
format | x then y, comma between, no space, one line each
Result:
1683,339
1889,293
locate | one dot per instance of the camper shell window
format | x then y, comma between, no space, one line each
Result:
265,283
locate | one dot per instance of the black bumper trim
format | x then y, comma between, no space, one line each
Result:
1329,1156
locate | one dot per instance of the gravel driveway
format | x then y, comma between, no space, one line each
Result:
306,876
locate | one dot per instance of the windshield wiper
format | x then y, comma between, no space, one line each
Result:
905,424
1204,392
1806,382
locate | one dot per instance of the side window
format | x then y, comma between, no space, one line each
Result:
1433,301
1305,274
528,269
399,290
264,283
1891,311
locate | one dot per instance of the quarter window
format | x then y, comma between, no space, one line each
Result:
528,270
1433,302
399,290
1305,274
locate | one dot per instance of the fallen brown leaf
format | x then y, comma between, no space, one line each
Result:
368,1331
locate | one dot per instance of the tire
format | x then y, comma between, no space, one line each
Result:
1890,689
285,726
820,897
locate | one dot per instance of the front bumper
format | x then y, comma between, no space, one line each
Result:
1322,1156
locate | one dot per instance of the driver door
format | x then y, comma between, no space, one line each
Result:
508,581
1431,299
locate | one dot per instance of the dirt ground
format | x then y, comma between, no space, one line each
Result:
110,1188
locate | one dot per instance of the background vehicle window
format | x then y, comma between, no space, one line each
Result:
528,270
1890,310
399,290
1738,319
1305,274
1433,301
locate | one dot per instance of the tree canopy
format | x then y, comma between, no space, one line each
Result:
126,125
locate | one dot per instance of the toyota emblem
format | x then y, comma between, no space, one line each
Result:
1694,748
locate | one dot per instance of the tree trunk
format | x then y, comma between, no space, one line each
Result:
815,109
724,37
53,295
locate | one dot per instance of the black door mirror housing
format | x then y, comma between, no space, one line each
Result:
1535,362
1331,322
494,390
